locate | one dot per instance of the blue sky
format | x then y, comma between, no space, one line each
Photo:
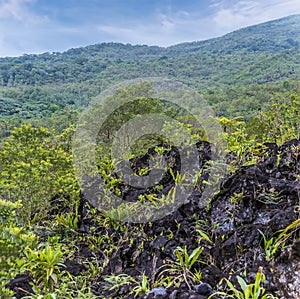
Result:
37,26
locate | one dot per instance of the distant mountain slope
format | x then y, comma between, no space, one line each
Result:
38,85
271,36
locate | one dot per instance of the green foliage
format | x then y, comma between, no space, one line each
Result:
236,198
245,140
282,119
204,236
68,222
14,241
141,287
248,291
273,244
117,281
181,268
34,167
44,264
242,147
69,288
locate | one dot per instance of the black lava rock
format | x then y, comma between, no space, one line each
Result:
203,289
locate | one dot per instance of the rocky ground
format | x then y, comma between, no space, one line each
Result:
262,197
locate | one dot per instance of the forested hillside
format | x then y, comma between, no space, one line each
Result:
237,73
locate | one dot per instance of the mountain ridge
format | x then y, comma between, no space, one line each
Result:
287,21
253,58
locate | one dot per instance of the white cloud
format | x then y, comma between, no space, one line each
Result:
162,29
173,26
167,24
11,8
17,10
231,16
20,28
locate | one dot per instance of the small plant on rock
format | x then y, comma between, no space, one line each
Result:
141,287
275,243
117,281
248,291
45,266
182,266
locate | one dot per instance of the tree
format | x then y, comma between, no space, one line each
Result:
35,167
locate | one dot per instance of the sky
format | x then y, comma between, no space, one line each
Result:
38,26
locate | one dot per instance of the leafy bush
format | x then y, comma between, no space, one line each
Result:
14,241
34,168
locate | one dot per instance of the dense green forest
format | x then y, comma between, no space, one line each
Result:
54,243
237,73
